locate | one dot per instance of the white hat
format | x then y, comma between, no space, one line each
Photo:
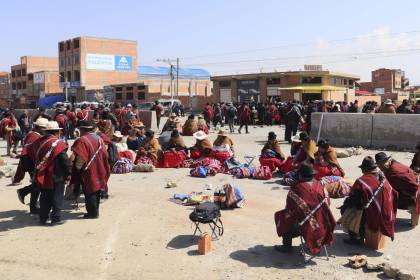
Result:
128,105
118,134
52,126
389,102
200,135
41,122
296,139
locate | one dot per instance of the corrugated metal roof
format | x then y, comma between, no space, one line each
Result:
164,71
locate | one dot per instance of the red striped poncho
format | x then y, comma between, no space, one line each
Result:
95,172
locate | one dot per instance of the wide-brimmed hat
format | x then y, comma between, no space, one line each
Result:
117,134
41,122
368,163
172,115
200,135
128,105
306,170
222,133
200,117
272,135
323,143
389,102
381,158
52,126
86,125
149,133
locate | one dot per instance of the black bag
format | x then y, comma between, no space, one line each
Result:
17,135
206,212
112,154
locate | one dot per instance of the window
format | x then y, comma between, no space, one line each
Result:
128,88
311,80
273,81
118,89
118,95
141,87
345,81
61,46
76,75
62,61
76,59
68,45
129,96
141,95
351,82
13,86
19,86
224,84
61,77
13,74
68,60
23,72
30,77
23,85
18,73
76,43
68,76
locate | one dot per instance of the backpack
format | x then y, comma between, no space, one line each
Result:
122,166
112,154
205,212
231,112
262,173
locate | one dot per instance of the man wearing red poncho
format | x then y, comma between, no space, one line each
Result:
403,179
51,172
374,199
307,213
91,167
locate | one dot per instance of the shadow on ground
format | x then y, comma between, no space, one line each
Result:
181,242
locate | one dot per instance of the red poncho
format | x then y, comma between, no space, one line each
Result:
301,200
71,116
82,115
403,179
381,214
29,139
45,150
95,172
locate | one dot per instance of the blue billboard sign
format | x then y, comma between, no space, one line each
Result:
123,63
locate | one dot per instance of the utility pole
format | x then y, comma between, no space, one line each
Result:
177,74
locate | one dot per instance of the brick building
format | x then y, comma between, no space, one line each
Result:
87,64
291,85
389,83
194,86
4,89
23,92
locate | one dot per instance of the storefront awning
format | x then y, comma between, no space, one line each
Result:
314,88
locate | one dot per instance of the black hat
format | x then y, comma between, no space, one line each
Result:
381,157
306,170
149,133
323,143
175,133
303,136
87,125
368,163
272,135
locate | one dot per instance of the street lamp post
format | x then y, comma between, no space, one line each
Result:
171,73
65,86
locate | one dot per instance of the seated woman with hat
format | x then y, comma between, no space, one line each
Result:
176,151
149,151
202,147
294,149
271,154
134,139
326,163
223,147
170,123
202,125
190,127
132,122
122,148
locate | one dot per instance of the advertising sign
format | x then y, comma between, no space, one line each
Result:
39,78
108,62
308,67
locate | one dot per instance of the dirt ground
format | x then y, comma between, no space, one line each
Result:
142,235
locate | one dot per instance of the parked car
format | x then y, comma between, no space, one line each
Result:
167,104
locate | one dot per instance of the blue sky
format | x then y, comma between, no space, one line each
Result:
267,34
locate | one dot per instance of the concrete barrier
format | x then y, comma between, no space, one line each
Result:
400,131
389,131
343,129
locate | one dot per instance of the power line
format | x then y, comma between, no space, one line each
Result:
300,44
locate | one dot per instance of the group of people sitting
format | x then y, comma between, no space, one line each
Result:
370,205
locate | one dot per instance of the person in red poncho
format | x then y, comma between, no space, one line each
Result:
403,179
375,198
90,167
82,114
51,172
26,164
63,123
244,117
326,163
7,127
307,214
